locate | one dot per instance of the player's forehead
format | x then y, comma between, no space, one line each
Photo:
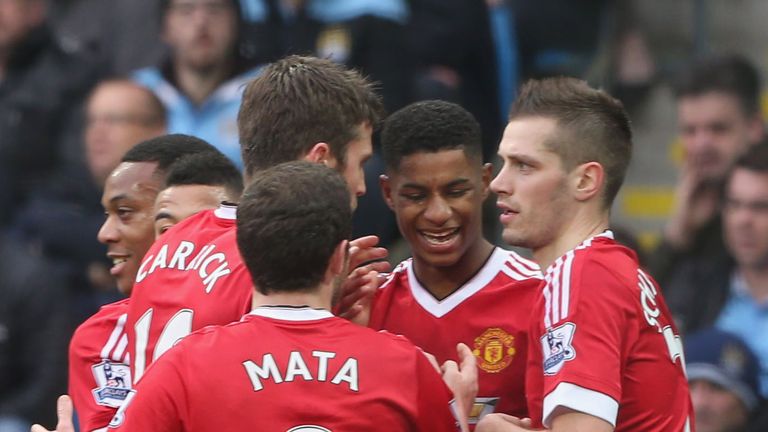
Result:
189,194
531,139
137,181
436,169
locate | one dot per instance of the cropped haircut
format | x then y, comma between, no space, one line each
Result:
166,149
208,169
592,126
729,74
429,126
297,102
289,221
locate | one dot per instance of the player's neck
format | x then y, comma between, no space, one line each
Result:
317,299
756,279
441,281
570,236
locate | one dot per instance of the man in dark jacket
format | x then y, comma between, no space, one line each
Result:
41,85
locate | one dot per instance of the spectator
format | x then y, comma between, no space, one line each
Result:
731,293
119,114
41,84
452,43
201,81
33,332
723,377
718,117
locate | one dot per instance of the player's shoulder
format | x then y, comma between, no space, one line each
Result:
95,330
597,261
398,277
608,258
107,315
515,266
394,344
221,218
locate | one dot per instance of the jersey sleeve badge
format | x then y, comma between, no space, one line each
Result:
494,350
113,381
557,347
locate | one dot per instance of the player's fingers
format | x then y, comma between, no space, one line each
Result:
433,361
381,267
359,287
38,428
466,358
364,249
365,241
64,413
506,418
362,256
449,367
351,312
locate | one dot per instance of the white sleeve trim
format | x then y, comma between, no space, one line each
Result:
580,399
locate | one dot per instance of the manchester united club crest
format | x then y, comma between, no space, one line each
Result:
494,350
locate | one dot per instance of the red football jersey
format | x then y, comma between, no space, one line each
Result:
290,369
99,376
490,313
606,343
191,277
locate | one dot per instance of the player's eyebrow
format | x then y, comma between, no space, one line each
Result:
457,182
118,198
163,215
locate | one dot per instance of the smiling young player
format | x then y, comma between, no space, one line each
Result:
457,287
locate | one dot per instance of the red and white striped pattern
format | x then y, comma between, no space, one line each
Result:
557,290
115,348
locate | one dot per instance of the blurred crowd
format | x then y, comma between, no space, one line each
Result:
82,81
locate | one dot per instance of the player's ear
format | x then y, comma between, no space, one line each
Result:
319,153
588,179
487,176
337,265
386,190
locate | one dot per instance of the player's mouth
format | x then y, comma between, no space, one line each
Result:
118,263
441,239
507,213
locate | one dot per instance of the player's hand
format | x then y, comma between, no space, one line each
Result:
64,414
503,423
364,250
362,282
357,294
461,378
697,200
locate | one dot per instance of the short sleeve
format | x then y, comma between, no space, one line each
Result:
582,347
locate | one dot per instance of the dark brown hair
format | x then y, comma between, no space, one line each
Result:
297,102
289,222
592,126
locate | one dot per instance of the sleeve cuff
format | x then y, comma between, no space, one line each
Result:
580,399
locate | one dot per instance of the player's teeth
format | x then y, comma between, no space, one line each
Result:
116,261
440,238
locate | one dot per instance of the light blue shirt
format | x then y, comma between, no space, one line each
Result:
743,316
336,10
215,120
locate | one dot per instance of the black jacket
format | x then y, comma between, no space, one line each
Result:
41,98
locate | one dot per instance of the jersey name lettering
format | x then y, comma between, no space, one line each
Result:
204,263
297,368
